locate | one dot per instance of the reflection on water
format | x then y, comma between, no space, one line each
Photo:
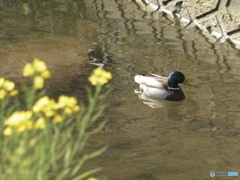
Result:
152,102
177,140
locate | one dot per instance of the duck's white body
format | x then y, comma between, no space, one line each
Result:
153,85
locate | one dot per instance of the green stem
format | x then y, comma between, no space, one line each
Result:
30,97
94,100
3,113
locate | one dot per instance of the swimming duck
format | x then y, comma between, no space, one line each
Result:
160,87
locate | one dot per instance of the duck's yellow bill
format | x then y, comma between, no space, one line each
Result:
188,82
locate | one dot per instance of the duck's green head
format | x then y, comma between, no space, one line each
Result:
175,78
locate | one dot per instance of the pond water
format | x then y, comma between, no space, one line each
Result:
161,140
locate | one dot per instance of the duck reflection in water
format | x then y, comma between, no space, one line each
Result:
151,102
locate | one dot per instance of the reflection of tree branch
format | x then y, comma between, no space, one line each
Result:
220,27
157,8
166,2
210,12
228,3
190,18
233,31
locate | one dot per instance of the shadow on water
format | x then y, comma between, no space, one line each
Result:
176,140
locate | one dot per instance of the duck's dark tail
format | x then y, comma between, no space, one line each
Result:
145,73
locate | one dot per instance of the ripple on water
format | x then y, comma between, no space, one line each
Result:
174,140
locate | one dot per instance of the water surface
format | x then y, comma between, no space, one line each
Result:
174,140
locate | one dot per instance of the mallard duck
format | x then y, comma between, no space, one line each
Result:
160,87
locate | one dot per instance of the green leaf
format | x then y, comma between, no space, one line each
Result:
99,128
87,174
67,156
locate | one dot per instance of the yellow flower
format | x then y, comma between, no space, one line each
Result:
18,118
68,110
27,125
28,70
76,108
98,71
14,92
5,87
66,101
46,105
37,68
92,178
102,80
62,100
8,131
20,151
57,119
38,82
3,93
40,123
107,75
99,77
32,141
93,80
69,104
41,103
8,85
49,113
46,74
39,65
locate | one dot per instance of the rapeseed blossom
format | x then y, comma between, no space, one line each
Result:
18,122
39,70
7,88
21,121
39,65
55,110
46,106
45,74
40,123
3,93
38,82
8,85
28,70
68,104
57,119
99,77
8,131
43,109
